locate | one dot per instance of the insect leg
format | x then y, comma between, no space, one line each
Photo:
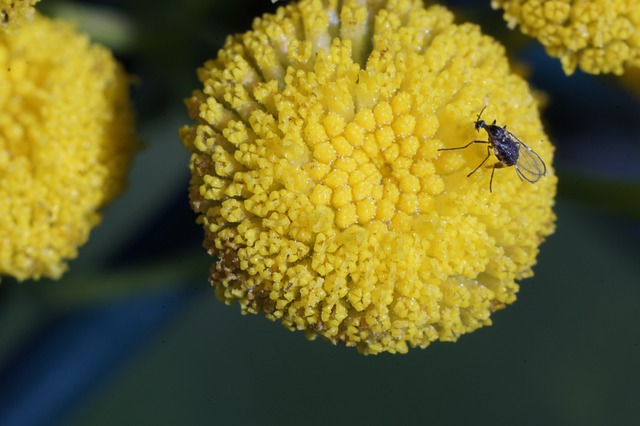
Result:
483,161
462,147
491,180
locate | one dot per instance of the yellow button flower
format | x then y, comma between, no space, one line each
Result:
66,142
318,179
598,36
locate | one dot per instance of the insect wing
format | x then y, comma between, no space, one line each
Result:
529,165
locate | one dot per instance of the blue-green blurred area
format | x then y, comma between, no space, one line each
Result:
133,334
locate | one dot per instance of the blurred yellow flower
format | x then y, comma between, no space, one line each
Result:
13,13
598,36
318,181
66,141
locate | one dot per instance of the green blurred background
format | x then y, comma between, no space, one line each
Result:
134,335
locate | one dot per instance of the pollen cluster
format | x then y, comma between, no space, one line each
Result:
317,178
597,36
66,141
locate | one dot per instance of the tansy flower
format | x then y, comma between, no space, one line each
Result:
13,13
318,181
66,142
598,36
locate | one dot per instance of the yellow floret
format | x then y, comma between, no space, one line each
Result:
66,141
335,212
598,36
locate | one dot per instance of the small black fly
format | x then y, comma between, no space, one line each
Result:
509,151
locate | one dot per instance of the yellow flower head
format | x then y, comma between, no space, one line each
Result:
317,177
66,142
14,13
599,36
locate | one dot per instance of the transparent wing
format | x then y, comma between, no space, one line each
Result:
529,165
